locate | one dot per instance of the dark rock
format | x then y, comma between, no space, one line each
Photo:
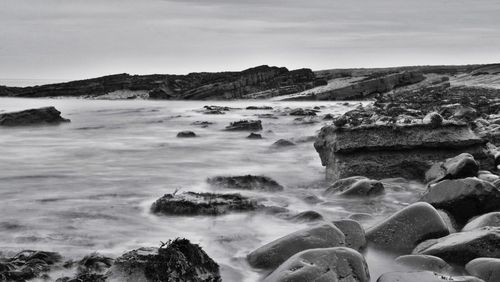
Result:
490,219
328,117
27,265
461,166
340,122
259,108
84,277
487,269
422,276
246,182
434,119
327,264
283,143
355,186
355,237
202,123
254,136
191,203
244,125
463,198
406,228
422,263
276,252
307,216
408,151
462,247
47,115
177,260
186,134
302,112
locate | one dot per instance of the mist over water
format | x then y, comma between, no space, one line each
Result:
87,185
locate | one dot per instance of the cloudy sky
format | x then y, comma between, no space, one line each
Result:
70,39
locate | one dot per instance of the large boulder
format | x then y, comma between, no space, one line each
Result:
245,125
461,166
463,198
490,219
462,247
355,236
406,228
177,260
47,115
276,252
355,186
487,269
326,264
192,203
422,263
388,150
427,276
246,182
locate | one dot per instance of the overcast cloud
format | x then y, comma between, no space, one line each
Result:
70,39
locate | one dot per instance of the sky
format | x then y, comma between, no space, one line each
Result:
74,39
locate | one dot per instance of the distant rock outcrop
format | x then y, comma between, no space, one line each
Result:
47,115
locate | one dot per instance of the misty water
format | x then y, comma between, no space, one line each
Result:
87,186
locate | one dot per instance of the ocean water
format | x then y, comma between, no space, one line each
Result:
87,185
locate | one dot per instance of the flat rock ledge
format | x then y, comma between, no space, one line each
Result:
390,150
47,115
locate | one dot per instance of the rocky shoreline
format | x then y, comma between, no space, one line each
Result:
443,138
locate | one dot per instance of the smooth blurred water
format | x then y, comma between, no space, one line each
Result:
87,185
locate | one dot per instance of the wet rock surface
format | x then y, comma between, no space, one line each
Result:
490,219
325,264
487,269
27,265
355,236
278,251
191,203
246,182
405,229
422,263
355,186
48,115
426,276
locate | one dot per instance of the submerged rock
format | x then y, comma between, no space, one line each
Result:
186,134
246,182
302,112
259,108
487,269
422,263
254,136
490,219
177,260
191,203
406,228
325,264
283,143
355,186
463,198
276,252
202,123
47,115
27,265
426,276
245,125
462,247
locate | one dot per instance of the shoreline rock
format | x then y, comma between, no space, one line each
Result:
47,115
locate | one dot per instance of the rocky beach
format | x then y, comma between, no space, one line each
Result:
267,174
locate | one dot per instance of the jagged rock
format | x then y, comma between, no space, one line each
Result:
191,203
355,236
406,228
177,260
302,112
283,143
244,125
462,247
487,269
27,265
355,186
259,108
463,198
490,219
307,216
326,264
461,166
254,136
246,182
382,151
422,263
47,115
426,276
186,134
276,252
